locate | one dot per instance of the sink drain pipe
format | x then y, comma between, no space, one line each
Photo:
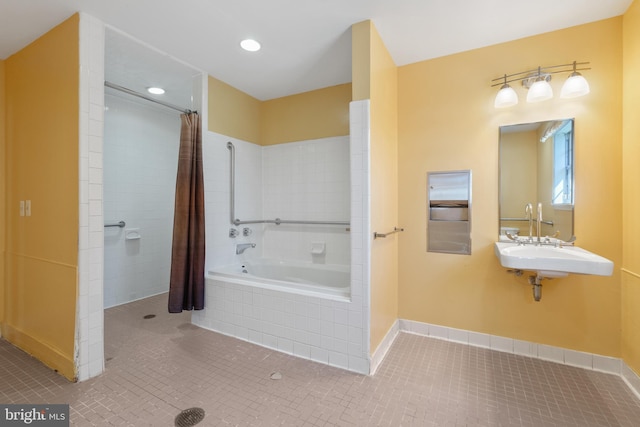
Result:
536,282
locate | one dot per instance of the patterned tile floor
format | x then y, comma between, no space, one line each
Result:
158,367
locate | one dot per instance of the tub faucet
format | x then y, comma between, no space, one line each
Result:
241,247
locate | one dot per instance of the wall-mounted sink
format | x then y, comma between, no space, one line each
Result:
551,261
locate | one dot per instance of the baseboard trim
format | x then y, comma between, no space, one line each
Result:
383,348
51,357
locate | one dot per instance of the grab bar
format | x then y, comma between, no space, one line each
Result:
120,224
277,221
395,230
547,222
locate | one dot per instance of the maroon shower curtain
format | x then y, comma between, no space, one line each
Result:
186,286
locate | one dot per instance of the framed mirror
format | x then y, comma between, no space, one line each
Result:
536,166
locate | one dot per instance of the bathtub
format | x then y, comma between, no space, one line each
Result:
330,281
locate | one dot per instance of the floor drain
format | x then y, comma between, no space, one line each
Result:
189,417
149,316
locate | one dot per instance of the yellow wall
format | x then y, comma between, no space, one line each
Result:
2,190
42,105
232,112
361,60
316,114
383,82
447,121
311,115
631,189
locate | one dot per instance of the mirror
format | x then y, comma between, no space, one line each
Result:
536,166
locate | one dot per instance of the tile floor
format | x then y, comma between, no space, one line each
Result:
158,367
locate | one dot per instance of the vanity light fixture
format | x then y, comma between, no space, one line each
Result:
506,97
540,90
537,82
575,86
155,90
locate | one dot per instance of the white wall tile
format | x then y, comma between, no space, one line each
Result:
141,145
89,345
554,354
501,344
459,335
607,364
479,340
525,348
578,358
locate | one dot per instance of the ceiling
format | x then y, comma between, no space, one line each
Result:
306,43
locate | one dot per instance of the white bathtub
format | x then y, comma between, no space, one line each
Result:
321,280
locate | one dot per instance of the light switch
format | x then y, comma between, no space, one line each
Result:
27,208
21,207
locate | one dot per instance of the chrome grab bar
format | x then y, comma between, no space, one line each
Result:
120,224
279,221
395,230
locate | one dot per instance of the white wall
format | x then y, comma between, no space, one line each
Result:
141,143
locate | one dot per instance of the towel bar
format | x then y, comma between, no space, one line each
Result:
395,230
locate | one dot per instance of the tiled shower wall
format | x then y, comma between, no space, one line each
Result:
141,143
328,331
307,180
220,248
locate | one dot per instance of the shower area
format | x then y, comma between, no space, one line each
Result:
281,221
140,152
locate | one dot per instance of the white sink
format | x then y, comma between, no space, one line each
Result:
551,261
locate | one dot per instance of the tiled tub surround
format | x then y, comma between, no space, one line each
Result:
334,332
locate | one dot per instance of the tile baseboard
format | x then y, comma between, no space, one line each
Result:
379,354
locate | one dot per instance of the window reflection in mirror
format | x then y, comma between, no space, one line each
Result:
536,166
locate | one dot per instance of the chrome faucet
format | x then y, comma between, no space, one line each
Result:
528,212
539,220
241,247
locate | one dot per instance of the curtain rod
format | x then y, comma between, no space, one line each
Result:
148,98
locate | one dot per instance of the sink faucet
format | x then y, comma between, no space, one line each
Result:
528,212
241,247
539,220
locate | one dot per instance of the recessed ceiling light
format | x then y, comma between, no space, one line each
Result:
250,45
155,90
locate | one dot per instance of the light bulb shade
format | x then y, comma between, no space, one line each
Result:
575,86
540,90
506,97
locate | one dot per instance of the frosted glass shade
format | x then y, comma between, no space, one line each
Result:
540,90
506,97
575,86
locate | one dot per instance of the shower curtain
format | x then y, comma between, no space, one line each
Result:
186,286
